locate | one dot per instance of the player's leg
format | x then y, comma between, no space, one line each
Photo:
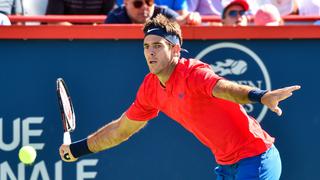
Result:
226,172
271,165
266,166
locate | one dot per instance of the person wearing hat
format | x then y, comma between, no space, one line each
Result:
207,105
139,11
234,14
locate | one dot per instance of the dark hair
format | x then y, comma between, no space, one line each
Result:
170,26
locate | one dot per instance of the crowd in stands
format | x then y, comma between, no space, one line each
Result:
232,12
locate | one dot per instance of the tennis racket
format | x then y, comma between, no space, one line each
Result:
67,112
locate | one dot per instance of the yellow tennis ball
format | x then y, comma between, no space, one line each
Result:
27,155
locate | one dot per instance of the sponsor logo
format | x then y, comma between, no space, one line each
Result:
181,95
240,64
153,29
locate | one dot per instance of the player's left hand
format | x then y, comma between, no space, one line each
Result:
272,98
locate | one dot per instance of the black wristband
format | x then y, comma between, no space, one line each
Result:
255,95
80,148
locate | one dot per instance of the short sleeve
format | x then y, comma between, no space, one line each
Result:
202,80
141,109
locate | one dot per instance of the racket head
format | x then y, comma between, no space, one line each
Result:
66,106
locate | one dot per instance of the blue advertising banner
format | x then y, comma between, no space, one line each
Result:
103,77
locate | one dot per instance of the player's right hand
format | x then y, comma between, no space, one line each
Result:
66,154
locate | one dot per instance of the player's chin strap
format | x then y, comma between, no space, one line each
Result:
80,148
170,37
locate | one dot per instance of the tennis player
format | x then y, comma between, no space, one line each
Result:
209,106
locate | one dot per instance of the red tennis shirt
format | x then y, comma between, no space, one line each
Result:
221,125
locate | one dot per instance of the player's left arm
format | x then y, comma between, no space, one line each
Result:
232,91
242,94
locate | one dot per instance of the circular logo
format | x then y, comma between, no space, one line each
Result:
240,64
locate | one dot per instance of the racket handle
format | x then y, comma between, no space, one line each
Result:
66,141
66,138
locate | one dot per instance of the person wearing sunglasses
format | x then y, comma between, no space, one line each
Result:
234,14
180,6
139,11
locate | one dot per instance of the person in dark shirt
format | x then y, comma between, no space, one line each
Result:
139,11
79,7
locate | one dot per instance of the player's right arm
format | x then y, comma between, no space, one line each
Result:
117,131
106,137
114,133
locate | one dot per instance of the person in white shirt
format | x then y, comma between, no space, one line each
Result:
205,7
309,7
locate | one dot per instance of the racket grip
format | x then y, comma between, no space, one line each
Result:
66,138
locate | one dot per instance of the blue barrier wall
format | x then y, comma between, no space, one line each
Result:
103,76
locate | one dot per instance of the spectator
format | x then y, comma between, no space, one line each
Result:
205,7
309,7
285,7
234,14
11,7
4,20
139,11
268,15
79,7
180,6
33,7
